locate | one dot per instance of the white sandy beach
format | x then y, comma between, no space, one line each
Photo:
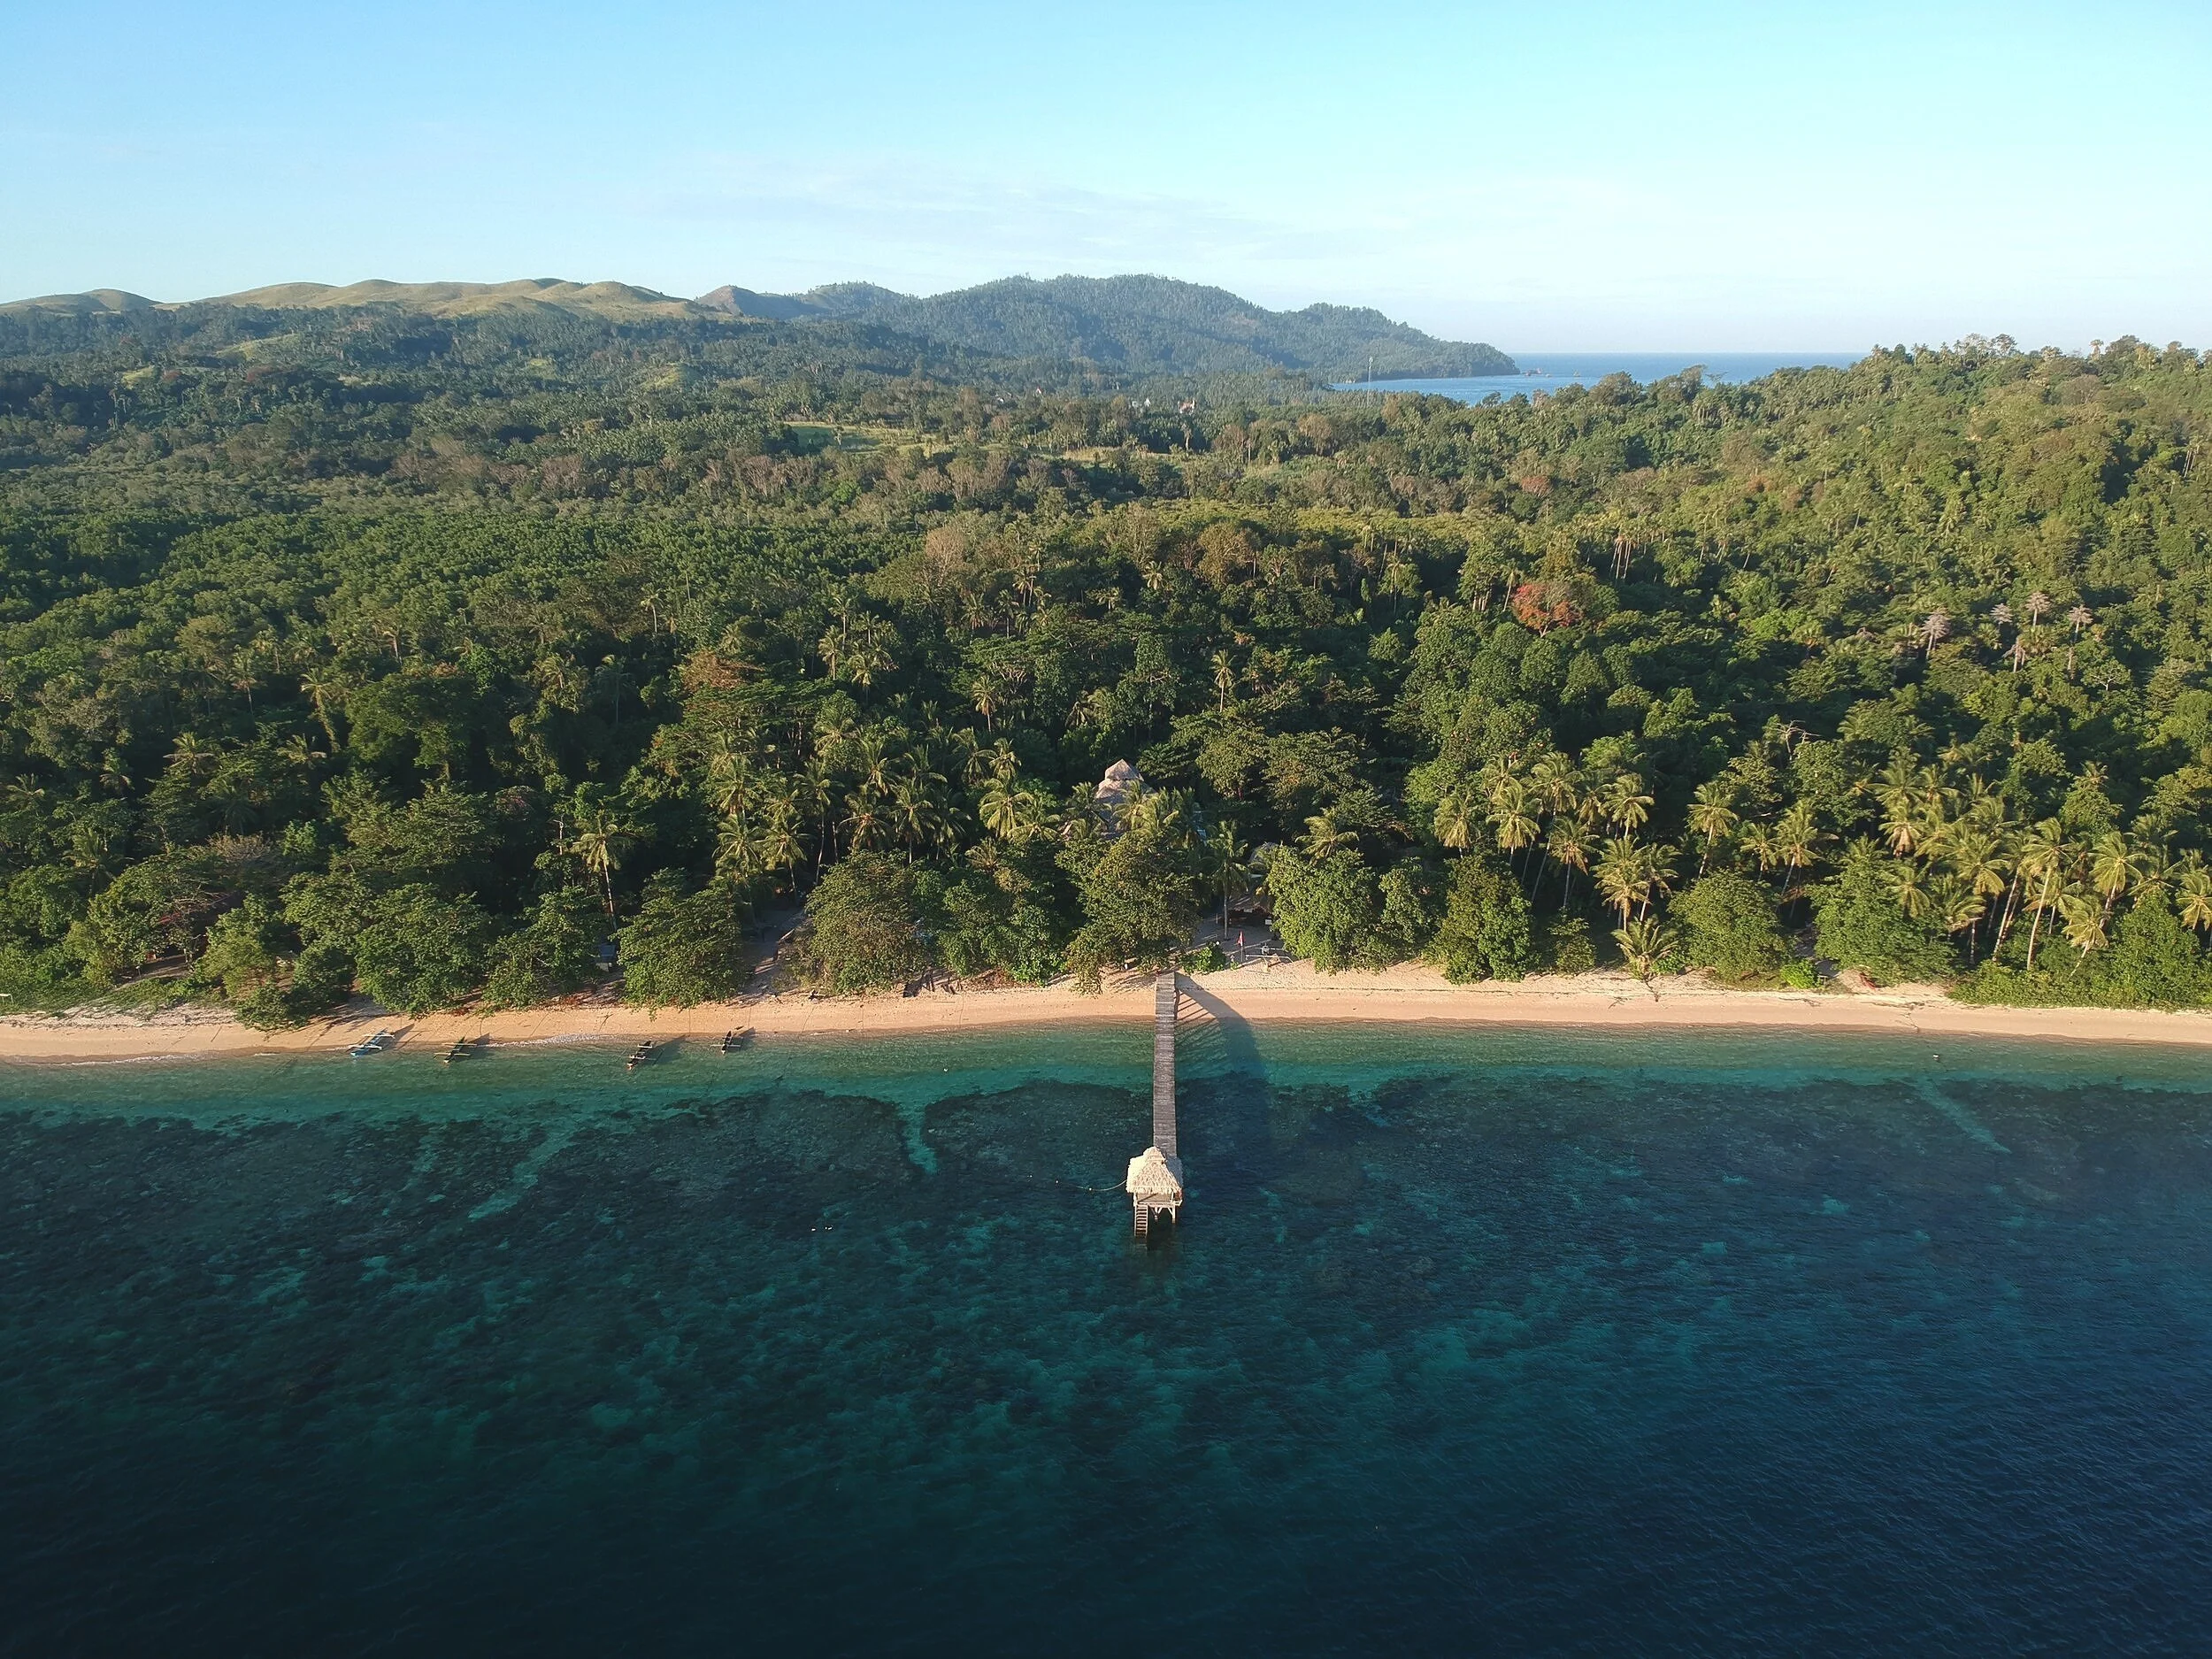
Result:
1285,991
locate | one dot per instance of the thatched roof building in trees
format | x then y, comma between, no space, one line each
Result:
1122,785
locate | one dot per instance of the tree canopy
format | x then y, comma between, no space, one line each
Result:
361,645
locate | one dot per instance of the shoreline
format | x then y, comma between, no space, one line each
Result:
1290,991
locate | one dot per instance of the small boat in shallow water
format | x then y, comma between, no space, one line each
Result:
640,1055
461,1049
374,1044
732,1041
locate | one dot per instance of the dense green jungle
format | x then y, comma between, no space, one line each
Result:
359,650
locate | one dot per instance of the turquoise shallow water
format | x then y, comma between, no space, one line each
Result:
1483,1341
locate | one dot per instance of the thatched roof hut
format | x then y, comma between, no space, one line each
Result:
1114,787
1156,1179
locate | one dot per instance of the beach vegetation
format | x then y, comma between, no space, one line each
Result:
1862,922
865,926
683,946
1728,924
1328,910
422,950
555,952
1141,887
1485,931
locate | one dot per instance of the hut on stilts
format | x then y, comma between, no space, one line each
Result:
1156,1174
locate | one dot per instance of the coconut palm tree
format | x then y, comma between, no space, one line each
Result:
1497,778
1757,839
324,688
1908,885
1631,874
1977,859
2111,867
1902,825
1517,828
24,795
914,809
191,756
985,693
1555,783
1568,845
1626,805
1230,853
1000,809
2194,889
1454,823
813,791
780,847
1797,840
1323,835
2150,868
736,853
1896,784
599,843
1712,814
1642,943
1620,875
1957,906
730,785
872,760
1658,873
2084,920
863,820
857,647
2041,865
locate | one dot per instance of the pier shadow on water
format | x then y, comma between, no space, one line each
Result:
1224,1102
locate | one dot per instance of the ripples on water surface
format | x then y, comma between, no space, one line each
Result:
1483,1341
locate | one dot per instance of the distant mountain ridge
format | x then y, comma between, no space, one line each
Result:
1138,322
612,301
1130,324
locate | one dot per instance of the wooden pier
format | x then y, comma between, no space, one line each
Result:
1156,1175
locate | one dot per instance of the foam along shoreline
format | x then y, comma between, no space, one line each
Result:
1284,992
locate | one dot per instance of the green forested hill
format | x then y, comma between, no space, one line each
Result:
1144,323
366,648
1123,326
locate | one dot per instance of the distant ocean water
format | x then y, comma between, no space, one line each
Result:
1472,1341
1547,370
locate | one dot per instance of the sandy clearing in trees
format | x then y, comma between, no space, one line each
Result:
1281,993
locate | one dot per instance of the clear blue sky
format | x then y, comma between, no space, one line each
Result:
1596,176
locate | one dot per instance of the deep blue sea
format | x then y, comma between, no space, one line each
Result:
1499,1342
1548,371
